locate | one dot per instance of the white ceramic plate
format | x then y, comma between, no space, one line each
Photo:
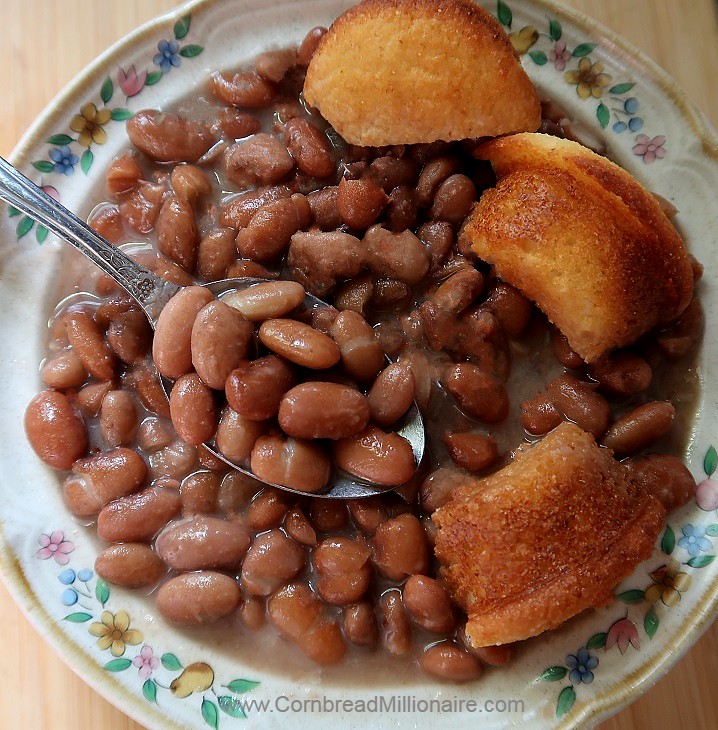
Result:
584,671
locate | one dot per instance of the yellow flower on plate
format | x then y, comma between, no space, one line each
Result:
88,123
114,632
669,583
589,78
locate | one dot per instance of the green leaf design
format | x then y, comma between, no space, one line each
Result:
700,561
149,690
538,57
86,161
565,701
712,530
597,641
632,596
153,78
210,713
107,90
24,226
554,29
504,14
171,662
102,592
583,49
78,618
553,674
118,665
711,461
41,233
120,115
622,88
182,26
604,116
12,211
60,139
669,540
43,166
240,686
650,623
191,51
232,706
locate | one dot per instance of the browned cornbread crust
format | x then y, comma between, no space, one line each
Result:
545,538
408,71
582,238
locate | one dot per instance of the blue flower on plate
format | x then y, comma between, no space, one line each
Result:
85,574
69,597
67,577
64,160
167,56
581,663
694,540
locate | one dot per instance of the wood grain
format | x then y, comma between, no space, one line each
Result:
47,42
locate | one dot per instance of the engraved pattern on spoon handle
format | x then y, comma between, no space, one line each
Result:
151,291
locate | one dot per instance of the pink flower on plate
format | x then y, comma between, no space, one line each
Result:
621,634
55,546
707,494
146,662
54,193
130,81
559,56
650,149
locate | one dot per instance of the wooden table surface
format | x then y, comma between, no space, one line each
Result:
46,42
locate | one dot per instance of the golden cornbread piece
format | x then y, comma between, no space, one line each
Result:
582,238
407,71
543,539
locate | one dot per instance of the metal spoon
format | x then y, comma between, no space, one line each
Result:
152,293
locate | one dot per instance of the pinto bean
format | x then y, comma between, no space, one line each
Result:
360,626
299,343
294,610
471,451
193,410
640,428
343,569
219,342
118,418
428,604
309,45
107,221
315,410
90,398
563,352
145,383
237,435
323,204
361,353
123,175
244,268
355,294
662,476
379,457
622,373
290,462
55,431
390,172
138,517
309,148
177,232
235,492
298,527
272,561
63,370
510,307
360,202
580,403
328,515
154,434
400,548
190,183
141,207
267,509
199,492
395,624
438,237
438,488
254,389
449,662
199,598
260,160
130,336
453,200
539,415
175,461
215,254
368,513
396,255
478,393
132,565
89,344
253,614
273,65
234,124
244,89
392,394
239,210
434,173
266,300
679,338
166,137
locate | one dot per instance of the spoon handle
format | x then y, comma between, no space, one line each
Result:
151,291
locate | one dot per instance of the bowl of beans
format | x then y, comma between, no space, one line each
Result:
184,578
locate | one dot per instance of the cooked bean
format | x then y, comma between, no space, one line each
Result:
289,462
563,352
360,625
579,403
209,460
539,415
199,598
253,614
309,45
639,428
324,643
390,172
447,661
244,89
193,410
190,183
664,477
201,542
328,515
438,237
216,253
343,569
118,418
453,200
294,610
138,517
239,210
438,488
132,565
260,160
55,431
107,221
510,307
234,124
113,307
165,268
237,435
123,175
63,370
130,336
428,604
146,384
401,211
90,398
244,268
400,547
272,560
89,344
478,393
309,148
471,451
360,202
299,343
199,492
139,209
316,410
323,204
494,656
172,348
97,480
219,342
177,232
355,294
273,65
298,527
622,373
175,461
235,492
255,388
361,354
396,255
368,513
266,300
268,509
379,457
165,137
435,172
395,624
267,236
392,394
